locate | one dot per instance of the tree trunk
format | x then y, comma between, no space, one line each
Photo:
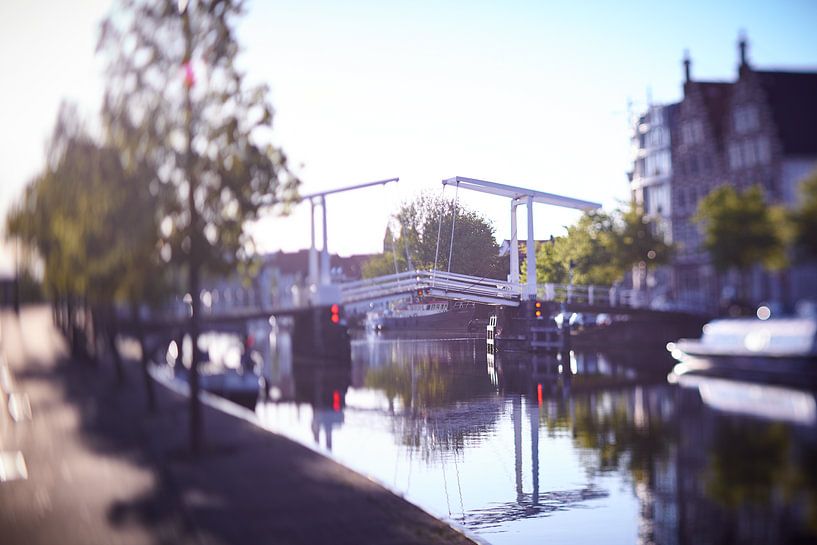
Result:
90,323
150,393
111,333
196,425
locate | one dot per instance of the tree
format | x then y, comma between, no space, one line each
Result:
182,113
804,220
552,262
427,219
590,247
93,224
740,230
637,241
602,247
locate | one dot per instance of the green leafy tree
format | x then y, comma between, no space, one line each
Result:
740,230
636,240
588,246
552,262
428,219
93,225
804,220
602,247
182,113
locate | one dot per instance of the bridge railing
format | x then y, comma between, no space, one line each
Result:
589,294
380,286
409,281
470,285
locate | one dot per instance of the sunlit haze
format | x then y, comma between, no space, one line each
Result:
526,93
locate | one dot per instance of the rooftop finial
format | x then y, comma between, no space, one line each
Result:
687,65
742,45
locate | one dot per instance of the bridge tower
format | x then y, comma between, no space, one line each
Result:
525,197
320,280
524,326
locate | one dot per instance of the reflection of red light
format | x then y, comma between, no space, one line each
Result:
539,393
335,318
334,309
250,341
336,401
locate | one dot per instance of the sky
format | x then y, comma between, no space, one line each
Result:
529,93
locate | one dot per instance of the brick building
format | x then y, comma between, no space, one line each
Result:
759,129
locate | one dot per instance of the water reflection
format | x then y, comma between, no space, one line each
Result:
575,448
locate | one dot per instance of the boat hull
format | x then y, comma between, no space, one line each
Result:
462,320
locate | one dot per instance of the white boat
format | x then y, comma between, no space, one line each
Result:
778,349
751,337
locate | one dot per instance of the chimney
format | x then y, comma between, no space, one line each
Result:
742,45
687,64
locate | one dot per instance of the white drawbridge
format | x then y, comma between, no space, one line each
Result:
433,283
439,283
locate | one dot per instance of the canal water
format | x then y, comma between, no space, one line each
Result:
586,448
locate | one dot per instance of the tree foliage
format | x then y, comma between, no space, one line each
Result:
740,230
90,220
182,112
420,223
602,247
804,220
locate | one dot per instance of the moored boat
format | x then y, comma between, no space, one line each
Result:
775,345
428,314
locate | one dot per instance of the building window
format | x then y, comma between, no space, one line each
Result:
692,132
745,119
749,156
764,152
658,163
735,161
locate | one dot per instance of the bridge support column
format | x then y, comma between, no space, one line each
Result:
313,251
530,290
514,249
325,273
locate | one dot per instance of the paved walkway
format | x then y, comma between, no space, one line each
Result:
100,469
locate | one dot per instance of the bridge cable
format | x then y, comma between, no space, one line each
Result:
393,247
439,230
453,221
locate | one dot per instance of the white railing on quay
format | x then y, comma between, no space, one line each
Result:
612,296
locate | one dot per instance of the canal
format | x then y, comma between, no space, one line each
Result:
589,448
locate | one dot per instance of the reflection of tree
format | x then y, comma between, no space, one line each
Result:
807,481
426,384
438,413
747,463
606,424
758,468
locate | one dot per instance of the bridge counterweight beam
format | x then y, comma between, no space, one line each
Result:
325,277
313,252
531,285
514,249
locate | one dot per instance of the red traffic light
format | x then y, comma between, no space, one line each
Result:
335,313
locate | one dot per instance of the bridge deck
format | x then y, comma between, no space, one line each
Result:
459,287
